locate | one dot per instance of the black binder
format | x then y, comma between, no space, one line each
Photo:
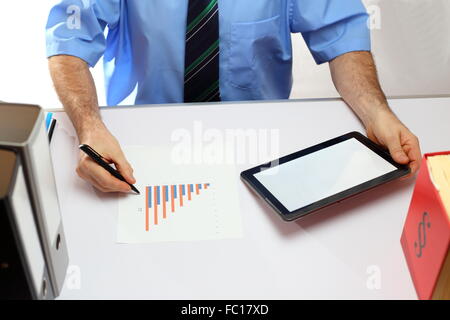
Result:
23,273
33,251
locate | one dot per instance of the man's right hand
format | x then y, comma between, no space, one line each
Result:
102,141
76,90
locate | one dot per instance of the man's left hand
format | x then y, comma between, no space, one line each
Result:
387,130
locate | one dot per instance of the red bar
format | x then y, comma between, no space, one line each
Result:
155,203
180,193
164,201
205,186
172,199
196,188
189,191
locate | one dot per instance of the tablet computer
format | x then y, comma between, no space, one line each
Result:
311,179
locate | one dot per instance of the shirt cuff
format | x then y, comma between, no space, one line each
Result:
325,45
340,48
90,52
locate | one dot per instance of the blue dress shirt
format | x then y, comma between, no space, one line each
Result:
144,46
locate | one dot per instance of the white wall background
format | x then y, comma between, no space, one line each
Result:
411,45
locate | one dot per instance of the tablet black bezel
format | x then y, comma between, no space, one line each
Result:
248,177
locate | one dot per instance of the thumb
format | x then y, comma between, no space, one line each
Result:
396,150
124,167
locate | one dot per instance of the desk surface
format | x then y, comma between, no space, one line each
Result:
351,250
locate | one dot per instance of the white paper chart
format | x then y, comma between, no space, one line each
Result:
178,202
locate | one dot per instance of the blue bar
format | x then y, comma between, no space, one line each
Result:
191,186
199,186
158,194
175,191
183,189
149,197
167,193
48,120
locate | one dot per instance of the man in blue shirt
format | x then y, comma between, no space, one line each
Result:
171,51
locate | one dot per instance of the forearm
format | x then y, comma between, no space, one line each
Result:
355,77
76,90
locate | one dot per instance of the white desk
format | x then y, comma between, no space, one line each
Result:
327,255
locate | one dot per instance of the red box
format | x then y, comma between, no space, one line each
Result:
426,238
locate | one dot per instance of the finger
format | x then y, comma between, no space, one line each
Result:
97,186
104,179
412,149
395,149
86,177
124,167
414,167
109,184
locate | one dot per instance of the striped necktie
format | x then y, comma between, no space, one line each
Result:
201,75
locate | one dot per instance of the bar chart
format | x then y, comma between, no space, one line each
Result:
178,202
163,200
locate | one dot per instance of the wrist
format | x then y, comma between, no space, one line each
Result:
91,129
374,113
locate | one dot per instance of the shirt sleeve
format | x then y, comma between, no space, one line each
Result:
331,27
76,28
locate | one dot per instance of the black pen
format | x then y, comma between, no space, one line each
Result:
94,155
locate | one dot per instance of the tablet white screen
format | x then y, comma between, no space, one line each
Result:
321,174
